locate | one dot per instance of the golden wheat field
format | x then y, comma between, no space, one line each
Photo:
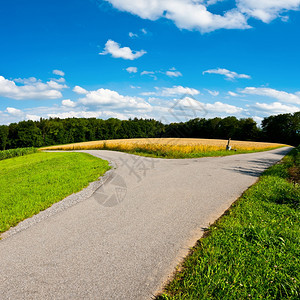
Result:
167,145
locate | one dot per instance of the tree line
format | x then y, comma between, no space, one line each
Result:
283,128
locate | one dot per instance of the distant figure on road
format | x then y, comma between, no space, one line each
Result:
228,147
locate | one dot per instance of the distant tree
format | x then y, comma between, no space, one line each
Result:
29,135
283,128
228,128
247,130
295,134
3,136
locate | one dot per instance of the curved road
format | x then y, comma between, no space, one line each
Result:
126,239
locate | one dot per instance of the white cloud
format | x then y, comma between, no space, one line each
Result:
29,80
68,103
266,10
32,117
144,31
233,94
90,114
132,35
171,92
178,90
116,51
150,73
223,108
148,94
14,111
30,89
212,2
257,119
188,108
213,93
194,14
186,14
60,80
279,95
132,69
173,73
105,97
228,74
79,90
58,72
147,73
275,108
56,86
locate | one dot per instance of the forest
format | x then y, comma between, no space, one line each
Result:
283,128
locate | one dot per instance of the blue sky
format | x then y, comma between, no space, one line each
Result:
170,59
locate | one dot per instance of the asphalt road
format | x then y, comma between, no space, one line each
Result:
126,239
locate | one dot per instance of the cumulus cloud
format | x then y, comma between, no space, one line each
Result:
186,14
195,14
266,10
132,69
220,107
30,89
228,74
148,94
90,114
16,115
58,72
60,80
105,97
257,119
79,90
147,73
68,103
279,95
173,73
55,85
14,111
275,108
32,117
188,108
178,90
113,48
172,91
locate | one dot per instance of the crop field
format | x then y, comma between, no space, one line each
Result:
171,147
5,154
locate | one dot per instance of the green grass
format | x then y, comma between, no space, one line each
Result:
5,154
252,252
32,183
178,154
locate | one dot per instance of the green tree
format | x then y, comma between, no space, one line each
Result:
3,136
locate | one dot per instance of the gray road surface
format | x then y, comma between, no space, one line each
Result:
126,239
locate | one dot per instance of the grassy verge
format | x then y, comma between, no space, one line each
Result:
34,182
179,154
252,252
5,154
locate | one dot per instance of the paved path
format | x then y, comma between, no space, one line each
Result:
124,241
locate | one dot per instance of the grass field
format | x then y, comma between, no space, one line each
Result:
32,183
171,147
252,252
